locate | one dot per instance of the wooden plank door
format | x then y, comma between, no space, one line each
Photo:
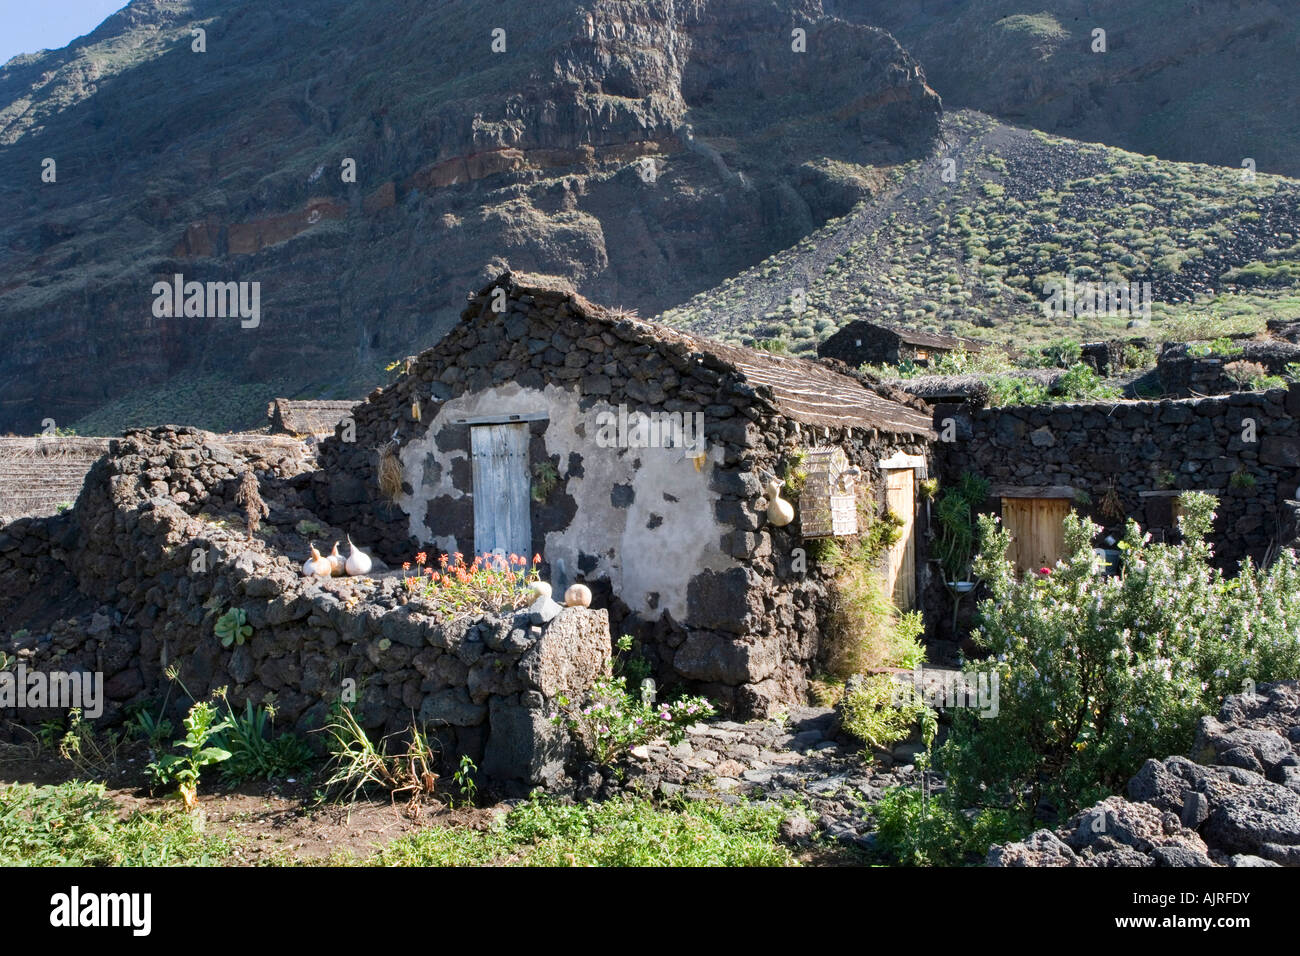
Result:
900,498
1037,527
501,489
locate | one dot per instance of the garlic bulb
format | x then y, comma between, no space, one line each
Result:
337,564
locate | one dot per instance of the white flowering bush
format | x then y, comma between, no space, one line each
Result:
1098,673
609,721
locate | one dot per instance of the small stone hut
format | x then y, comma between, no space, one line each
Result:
637,459
862,342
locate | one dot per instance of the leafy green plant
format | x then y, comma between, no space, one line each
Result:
94,754
1007,390
153,730
77,824
1099,672
545,477
955,517
233,627
630,665
183,769
875,712
255,751
1242,480
794,474
912,830
463,779
1081,383
623,832
865,630
609,721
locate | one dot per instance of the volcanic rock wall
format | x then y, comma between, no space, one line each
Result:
157,537
1244,448
1236,804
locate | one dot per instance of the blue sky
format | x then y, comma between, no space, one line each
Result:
30,25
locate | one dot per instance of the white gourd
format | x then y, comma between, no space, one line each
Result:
578,595
316,565
779,511
358,562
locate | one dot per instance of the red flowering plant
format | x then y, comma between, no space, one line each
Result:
491,582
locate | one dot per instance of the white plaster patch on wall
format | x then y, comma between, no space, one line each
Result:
639,561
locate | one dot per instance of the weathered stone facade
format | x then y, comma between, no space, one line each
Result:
680,551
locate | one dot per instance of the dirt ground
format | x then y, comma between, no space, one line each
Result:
281,820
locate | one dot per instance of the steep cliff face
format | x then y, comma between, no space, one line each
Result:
643,150
1210,81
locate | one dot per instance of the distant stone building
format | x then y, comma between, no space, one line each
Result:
304,418
862,342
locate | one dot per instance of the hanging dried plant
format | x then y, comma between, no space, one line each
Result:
390,472
1111,505
250,496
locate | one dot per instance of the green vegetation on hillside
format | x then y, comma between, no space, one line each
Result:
1025,209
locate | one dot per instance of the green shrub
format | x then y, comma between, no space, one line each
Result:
254,749
871,711
865,630
1098,673
912,830
609,721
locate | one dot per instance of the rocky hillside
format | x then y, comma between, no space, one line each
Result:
1201,81
968,239
646,151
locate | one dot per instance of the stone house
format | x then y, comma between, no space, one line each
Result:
636,458
862,342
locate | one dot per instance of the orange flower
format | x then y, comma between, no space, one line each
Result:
537,559
443,560
421,558
429,571
434,574
406,565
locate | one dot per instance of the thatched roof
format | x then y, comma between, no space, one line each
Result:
313,417
39,474
803,390
967,388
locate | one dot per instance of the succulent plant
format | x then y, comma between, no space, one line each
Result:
233,627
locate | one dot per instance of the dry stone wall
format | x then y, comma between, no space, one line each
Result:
157,538
1244,448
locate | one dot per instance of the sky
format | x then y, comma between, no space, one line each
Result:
30,25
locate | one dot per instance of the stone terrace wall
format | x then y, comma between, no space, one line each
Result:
160,498
1135,444
751,634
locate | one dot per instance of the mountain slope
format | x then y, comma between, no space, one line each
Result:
644,150
974,255
1210,81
